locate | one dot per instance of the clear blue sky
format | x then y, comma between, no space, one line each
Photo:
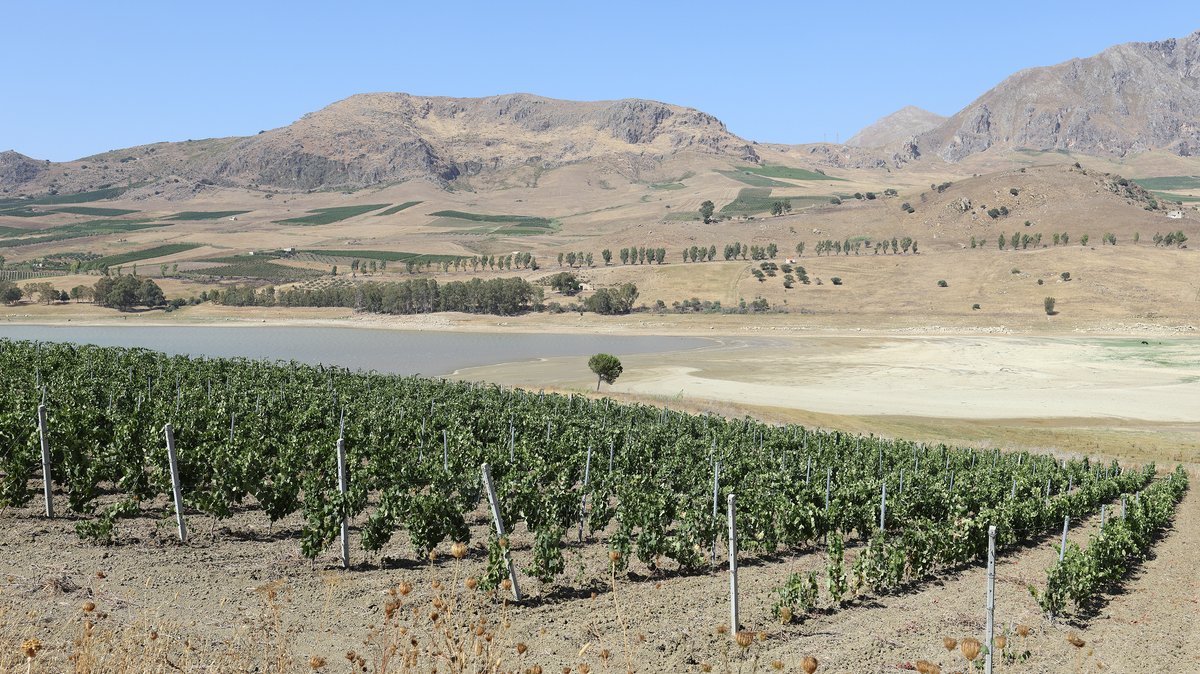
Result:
85,77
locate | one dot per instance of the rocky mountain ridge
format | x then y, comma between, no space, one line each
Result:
1130,98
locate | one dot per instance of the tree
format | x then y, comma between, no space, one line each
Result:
800,249
1048,303
777,208
606,367
706,211
607,255
624,256
10,293
565,283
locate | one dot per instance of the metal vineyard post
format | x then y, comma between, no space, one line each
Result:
499,522
176,488
44,437
733,579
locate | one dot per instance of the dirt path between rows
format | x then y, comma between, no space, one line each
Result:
211,594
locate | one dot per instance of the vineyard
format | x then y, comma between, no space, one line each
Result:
645,484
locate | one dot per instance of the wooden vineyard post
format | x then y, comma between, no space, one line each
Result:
716,505
176,488
991,598
343,487
733,579
44,437
499,522
1062,549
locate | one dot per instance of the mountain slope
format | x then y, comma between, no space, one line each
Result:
896,127
1130,98
371,139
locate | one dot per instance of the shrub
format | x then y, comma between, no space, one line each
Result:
975,307
836,280
1065,276
942,284
1048,303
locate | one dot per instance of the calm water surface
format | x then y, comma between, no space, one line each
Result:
428,353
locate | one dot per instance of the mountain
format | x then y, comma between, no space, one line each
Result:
1130,98
896,127
372,139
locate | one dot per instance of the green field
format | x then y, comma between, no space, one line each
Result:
498,225
95,212
79,230
752,179
667,186
386,255
1169,196
261,268
78,198
787,173
400,207
1167,183
22,212
205,215
144,254
523,220
327,216
755,200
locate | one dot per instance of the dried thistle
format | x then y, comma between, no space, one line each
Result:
777,665
458,550
1001,642
970,648
809,664
316,662
89,606
949,643
30,647
1023,630
471,583
404,587
1075,641
521,648
614,556
744,639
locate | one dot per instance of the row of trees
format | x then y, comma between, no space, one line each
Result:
123,293
505,296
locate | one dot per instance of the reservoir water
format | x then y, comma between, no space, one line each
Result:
394,351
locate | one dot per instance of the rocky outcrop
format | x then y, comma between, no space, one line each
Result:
1129,98
377,138
16,169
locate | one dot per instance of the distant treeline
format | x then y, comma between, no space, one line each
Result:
504,296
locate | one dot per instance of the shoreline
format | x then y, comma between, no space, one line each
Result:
675,325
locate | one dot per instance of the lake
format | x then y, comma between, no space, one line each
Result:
395,351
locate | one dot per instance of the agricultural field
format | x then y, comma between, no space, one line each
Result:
399,207
756,200
95,211
328,216
505,508
204,215
257,267
78,230
143,254
334,256
787,173
499,225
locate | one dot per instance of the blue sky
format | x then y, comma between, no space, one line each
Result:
85,77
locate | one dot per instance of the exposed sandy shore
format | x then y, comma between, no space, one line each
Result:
1089,388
